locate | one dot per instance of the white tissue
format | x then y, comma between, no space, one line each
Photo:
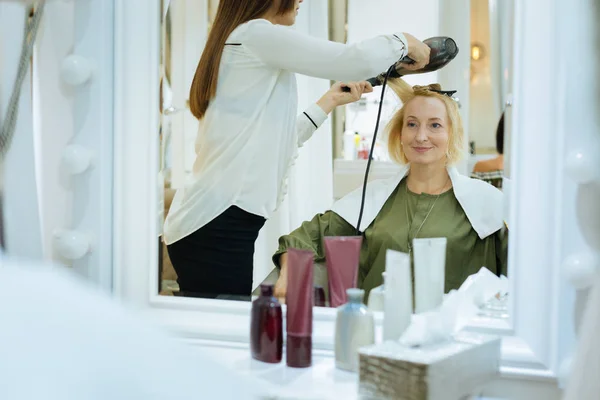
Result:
484,285
456,311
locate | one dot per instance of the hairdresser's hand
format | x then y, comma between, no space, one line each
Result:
336,96
417,51
280,289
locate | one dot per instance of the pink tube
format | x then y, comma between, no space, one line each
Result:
342,255
299,300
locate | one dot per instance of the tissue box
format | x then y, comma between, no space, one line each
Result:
445,371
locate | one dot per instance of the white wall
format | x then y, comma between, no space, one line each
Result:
189,33
454,22
484,115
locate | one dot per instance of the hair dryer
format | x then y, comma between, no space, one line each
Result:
443,50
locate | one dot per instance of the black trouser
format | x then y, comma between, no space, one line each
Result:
218,259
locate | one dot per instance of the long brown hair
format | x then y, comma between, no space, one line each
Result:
230,14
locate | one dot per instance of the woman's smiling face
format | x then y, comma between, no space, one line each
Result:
425,132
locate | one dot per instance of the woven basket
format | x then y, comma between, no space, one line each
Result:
448,371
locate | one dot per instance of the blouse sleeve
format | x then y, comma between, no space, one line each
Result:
284,47
308,122
309,236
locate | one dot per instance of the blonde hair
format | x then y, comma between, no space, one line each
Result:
394,127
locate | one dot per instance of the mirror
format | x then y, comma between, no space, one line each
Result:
538,121
332,163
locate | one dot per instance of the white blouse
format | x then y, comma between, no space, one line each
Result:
250,135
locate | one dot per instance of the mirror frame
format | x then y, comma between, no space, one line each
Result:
534,339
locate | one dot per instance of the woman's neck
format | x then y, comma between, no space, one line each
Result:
271,16
430,179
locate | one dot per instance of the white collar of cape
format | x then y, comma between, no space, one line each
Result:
482,203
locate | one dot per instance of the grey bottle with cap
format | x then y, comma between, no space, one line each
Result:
354,328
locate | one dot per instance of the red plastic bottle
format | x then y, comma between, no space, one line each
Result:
300,303
266,327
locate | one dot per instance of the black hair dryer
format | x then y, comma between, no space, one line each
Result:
443,50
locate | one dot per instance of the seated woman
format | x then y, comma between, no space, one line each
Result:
492,170
428,198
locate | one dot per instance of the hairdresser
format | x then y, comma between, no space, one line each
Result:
244,94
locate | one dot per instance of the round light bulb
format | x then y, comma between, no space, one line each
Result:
564,371
588,213
71,244
76,70
580,269
581,167
76,158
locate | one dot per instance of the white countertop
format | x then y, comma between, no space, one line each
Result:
321,381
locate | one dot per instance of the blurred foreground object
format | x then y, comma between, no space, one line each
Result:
63,339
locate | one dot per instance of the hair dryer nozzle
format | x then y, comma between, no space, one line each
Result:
443,50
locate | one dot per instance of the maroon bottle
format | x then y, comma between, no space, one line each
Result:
299,302
266,328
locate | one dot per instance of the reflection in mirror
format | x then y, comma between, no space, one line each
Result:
490,79
423,129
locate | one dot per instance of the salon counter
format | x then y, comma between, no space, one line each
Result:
321,381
